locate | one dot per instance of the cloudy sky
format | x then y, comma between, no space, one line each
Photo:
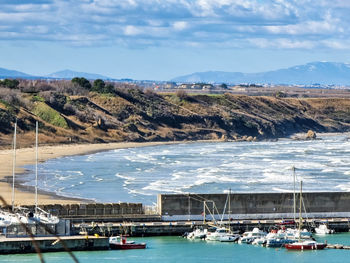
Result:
161,39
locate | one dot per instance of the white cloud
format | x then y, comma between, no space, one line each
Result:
180,25
131,31
299,24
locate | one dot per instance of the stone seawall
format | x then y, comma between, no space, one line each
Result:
252,205
92,210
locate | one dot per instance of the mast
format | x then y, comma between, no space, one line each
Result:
229,209
300,207
14,167
36,167
204,205
294,202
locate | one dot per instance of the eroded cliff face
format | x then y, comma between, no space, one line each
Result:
134,115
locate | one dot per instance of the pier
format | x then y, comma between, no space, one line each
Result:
52,244
142,229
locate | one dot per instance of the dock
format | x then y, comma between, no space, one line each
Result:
165,228
52,244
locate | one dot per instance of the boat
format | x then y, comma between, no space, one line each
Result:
223,235
5,219
120,242
21,215
198,233
305,244
249,236
278,238
323,229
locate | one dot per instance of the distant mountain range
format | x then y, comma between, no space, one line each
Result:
325,73
7,73
69,74
64,74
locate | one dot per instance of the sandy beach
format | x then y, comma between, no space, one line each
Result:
26,156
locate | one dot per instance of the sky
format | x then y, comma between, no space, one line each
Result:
163,39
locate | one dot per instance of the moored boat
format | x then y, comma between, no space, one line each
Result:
223,235
120,242
305,245
323,230
250,236
198,233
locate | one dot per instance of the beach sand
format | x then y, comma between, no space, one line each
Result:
26,156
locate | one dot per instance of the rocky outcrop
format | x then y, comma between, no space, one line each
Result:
310,135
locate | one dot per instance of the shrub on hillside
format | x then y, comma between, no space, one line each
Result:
9,83
14,98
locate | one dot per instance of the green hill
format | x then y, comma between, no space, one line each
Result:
69,113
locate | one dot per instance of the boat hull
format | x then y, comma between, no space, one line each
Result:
305,247
127,246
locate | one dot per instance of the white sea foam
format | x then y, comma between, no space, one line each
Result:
328,170
260,166
281,190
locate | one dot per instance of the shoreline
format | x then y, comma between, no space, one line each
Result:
24,195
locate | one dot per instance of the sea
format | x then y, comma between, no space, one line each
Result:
139,174
178,249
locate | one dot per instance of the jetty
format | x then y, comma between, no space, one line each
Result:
52,244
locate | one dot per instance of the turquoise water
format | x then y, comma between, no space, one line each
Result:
178,249
139,174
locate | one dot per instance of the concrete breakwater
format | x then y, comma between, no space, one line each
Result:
174,207
103,212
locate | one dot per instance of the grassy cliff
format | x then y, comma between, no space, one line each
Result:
69,115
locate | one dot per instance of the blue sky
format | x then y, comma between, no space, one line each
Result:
162,39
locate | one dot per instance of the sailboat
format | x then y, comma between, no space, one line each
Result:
224,234
14,216
40,215
306,244
21,215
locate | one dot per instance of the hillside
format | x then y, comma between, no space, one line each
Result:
71,114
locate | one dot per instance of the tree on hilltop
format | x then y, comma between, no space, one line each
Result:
82,82
101,87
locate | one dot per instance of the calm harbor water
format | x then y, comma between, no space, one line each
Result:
178,249
139,174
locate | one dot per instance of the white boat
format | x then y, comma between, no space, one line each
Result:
323,230
249,236
280,238
223,235
5,219
198,233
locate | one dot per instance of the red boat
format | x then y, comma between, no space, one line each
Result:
120,242
306,245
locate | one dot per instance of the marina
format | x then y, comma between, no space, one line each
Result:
230,217
178,249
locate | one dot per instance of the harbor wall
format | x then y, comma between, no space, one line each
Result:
252,205
98,210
